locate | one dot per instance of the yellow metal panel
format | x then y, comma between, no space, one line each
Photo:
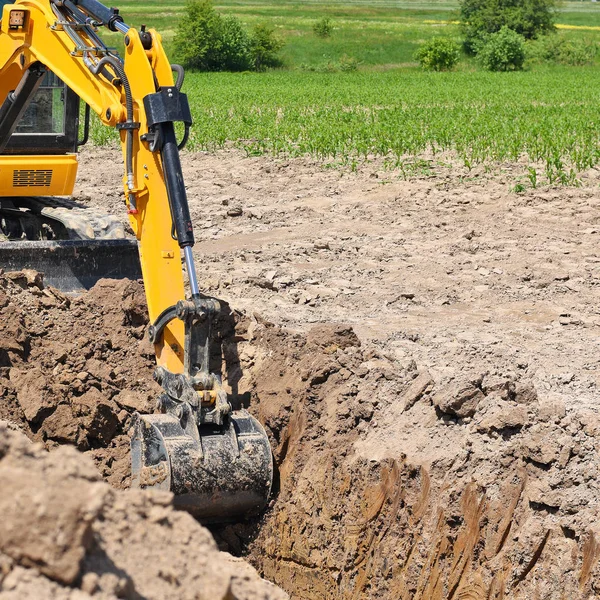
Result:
159,252
37,175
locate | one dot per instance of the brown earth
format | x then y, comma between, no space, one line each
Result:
67,535
436,432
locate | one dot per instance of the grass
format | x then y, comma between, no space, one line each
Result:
382,34
389,107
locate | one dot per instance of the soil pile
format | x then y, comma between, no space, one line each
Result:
67,535
73,369
393,482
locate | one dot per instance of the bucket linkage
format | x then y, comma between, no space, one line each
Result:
216,461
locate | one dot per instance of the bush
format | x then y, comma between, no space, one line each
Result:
438,54
503,51
563,50
480,18
264,46
323,28
348,64
207,41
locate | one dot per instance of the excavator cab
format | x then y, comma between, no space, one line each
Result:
40,227
214,457
50,123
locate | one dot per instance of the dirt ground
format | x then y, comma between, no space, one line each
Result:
423,354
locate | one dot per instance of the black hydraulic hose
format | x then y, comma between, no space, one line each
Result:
180,75
120,71
180,210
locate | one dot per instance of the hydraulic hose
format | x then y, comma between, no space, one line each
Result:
120,72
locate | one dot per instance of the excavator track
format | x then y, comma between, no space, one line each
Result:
43,218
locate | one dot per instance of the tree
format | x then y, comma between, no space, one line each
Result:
264,46
503,51
480,18
206,41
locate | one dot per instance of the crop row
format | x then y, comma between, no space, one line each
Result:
549,116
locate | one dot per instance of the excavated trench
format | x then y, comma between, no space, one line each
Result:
390,484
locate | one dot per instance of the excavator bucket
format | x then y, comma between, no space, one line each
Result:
224,475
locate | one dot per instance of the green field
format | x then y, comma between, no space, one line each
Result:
382,34
389,107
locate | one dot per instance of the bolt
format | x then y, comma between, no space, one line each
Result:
127,40
108,113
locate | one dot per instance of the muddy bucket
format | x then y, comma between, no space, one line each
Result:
224,475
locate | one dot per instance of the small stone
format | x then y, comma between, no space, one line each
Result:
552,410
501,415
525,393
541,446
235,211
419,386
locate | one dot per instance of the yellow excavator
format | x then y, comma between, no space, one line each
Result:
216,460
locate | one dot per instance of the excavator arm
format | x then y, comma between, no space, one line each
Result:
216,461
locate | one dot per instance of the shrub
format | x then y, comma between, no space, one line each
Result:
480,18
438,54
348,64
207,41
323,27
566,51
233,49
264,46
503,51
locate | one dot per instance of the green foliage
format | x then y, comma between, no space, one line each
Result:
264,47
479,117
503,51
348,64
323,27
480,18
563,50
207,41
438,54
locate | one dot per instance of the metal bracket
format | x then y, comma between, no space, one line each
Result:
197,390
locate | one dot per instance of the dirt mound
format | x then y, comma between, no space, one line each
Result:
394,482
65,534
73,369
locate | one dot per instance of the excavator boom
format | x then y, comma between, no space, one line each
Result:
217,461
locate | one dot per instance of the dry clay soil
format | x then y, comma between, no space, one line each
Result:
423,354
